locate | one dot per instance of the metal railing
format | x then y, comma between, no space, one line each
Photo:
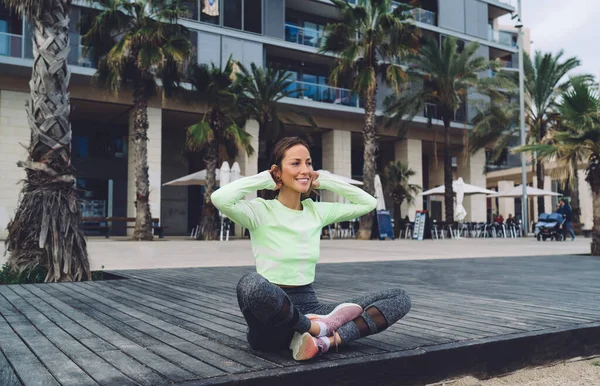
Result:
11,45
323,93
303,35
423,16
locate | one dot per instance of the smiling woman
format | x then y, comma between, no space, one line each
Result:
278,301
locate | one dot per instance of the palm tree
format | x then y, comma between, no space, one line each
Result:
395,180
369,41
263,89
544,82
580,111
219,133
139,44
46,228
448,74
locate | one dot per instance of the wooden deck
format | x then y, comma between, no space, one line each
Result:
183,326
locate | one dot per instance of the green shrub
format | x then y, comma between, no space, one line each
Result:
35,275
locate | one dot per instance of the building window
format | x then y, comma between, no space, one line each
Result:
243,14
191,7
253,16
100,146
232,12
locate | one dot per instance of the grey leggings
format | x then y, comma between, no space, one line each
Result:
273,313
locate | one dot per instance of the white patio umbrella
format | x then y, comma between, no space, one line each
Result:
468,190
235,172
459,188
224,174
345,179
198,178
517,191
379,193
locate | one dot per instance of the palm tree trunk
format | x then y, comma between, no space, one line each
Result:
448,192
593,178
575,209
397,219
539,171
46,227
209,224
596,227
263,148
143,216
370,152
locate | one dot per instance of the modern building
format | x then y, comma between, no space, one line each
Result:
266,32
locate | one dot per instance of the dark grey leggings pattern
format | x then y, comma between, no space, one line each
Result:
262,302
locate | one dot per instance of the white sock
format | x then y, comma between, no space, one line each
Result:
323,327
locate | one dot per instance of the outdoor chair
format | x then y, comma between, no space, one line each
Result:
408,230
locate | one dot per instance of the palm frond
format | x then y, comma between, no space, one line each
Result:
29,8
199,135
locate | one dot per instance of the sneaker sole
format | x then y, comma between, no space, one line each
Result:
315,316
303,347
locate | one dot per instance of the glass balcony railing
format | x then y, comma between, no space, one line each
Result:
11,45
323,93
430,109
423,16
502,37
303,35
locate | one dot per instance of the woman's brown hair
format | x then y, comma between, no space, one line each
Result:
281,147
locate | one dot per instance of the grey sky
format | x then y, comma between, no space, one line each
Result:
572,26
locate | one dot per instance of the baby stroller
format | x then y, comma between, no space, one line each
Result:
549,226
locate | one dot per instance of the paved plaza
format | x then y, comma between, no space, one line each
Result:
120,253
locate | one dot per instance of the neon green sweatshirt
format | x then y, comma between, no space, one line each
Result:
286,242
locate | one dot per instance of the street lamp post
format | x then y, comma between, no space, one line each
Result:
524,206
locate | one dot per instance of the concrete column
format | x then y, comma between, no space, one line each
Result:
337,157
471,170
506,205
410,152
534,211
585,201
548,199
436,178
249,164
14,131
154,164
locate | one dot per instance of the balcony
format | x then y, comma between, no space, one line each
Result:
303,35
11,45
324,94
501,37
432,109
423,16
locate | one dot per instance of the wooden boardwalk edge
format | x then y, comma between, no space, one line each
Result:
482,358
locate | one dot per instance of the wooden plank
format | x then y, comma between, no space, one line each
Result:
113,340
96,367
23,361
7,374
200,368
169,332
